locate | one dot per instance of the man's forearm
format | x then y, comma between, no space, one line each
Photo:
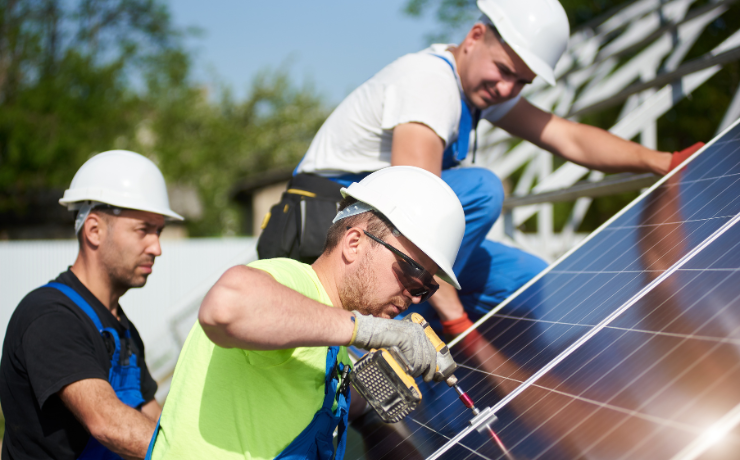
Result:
598,149
120,428
248,309
582,144
128,434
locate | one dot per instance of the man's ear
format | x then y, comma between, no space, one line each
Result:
94,229
351,244
475,34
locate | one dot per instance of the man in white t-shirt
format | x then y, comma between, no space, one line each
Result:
420,110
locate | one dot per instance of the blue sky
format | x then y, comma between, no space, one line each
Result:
333,45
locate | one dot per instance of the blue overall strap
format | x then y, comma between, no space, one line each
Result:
124,379
79,301
316,441
349,178
343,401
457,151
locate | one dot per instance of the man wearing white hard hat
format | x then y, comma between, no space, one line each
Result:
420,110
262,374
73,380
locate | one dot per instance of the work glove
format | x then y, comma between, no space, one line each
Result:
681,156
409,337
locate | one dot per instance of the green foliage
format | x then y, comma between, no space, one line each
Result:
210,146
81,77
64,92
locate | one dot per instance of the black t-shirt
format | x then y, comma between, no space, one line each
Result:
50,343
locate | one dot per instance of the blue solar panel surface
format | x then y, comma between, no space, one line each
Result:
627,348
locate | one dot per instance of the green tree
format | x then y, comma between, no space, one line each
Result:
79,78
211,145
64,85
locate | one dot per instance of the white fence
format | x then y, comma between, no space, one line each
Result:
163,310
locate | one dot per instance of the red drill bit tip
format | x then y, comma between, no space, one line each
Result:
467,401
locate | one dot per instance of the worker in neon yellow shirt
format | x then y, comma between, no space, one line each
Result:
262,374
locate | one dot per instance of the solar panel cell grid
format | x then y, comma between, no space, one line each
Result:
628,348
635,383
649,383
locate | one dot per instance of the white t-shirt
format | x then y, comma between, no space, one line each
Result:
417,87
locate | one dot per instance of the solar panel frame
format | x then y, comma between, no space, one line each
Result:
617,313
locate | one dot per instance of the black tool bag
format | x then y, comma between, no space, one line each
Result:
296,227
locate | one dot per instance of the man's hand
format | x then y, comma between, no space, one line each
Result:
120,428
409,337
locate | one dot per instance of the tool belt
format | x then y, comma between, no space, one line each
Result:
296,227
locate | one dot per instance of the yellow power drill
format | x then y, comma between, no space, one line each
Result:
382,377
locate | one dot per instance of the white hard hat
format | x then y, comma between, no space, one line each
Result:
123,179
422,207
537,31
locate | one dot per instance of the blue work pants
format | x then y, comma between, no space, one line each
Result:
488,271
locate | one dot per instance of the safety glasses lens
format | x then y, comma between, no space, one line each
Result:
419,282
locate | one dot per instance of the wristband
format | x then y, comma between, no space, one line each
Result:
354,331
456,326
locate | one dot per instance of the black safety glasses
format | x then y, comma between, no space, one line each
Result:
416,280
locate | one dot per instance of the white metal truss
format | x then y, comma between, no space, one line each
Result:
591,75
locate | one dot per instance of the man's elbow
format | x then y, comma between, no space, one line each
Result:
214,318
227,306
217,311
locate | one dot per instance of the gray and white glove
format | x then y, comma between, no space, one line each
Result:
409,337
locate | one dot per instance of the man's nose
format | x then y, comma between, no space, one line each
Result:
154,247
505,88
414,298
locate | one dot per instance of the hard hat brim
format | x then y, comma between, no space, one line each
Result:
75,196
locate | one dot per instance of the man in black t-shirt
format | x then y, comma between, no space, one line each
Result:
73,379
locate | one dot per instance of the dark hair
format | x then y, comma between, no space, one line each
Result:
376,223
105,211
496,33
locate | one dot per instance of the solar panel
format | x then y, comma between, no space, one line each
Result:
628,347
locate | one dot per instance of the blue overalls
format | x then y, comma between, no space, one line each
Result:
488,271
124,375
316,441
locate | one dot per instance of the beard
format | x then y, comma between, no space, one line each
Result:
357,292
121,270
125,277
